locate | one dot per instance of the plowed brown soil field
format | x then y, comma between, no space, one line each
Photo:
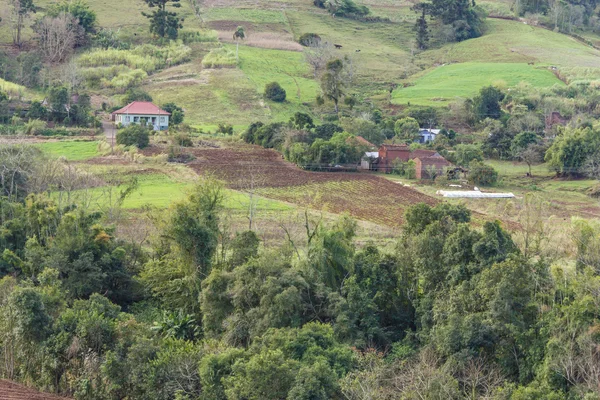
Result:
13,391
362,195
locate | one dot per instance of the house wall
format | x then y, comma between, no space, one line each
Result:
418,168
161,122
387,156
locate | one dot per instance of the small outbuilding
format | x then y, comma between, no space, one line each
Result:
430,167
428,135
142,112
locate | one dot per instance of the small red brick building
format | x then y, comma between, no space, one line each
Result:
426,160
425,167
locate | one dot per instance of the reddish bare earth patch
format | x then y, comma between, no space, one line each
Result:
362,195
13,391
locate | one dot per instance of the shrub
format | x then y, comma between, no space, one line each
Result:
482,174
309,39
219,58
198,36
183,140
177,113
225,129
274,92
134,135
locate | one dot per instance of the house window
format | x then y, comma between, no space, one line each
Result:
162,119
127,119
136,119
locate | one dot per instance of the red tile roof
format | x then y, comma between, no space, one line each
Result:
437,161
422,153
141,108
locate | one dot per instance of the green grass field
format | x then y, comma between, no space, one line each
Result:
160,190
447,83
71,150
513,41
288,68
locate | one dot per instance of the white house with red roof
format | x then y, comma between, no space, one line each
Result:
139,112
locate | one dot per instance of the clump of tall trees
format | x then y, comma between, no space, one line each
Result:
452,311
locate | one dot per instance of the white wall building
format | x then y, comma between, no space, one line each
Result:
142,112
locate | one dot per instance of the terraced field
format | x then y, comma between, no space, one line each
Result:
364,196
13,391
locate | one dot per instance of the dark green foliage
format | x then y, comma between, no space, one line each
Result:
332,83
482,174
267,136
30,66
274,92
164,23
134,135
78,9
178,326
32,319
465,154
522,141
135,94
244,246
37,111
302,121
107,38
422,31
326,131
343,8
58,100
465,19
571,149
194,225
309,39
487,103
419,216
177,113
225,129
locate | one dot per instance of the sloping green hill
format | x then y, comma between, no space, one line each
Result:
380,52
460,81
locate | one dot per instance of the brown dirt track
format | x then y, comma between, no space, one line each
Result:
363,195
13,391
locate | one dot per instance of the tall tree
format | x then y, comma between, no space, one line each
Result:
164,23
20,10
422,31
239,33
332,82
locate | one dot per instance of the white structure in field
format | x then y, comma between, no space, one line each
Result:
474,194
142,112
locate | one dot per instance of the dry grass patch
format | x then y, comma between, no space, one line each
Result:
265,40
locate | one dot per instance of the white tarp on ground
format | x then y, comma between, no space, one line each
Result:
474,194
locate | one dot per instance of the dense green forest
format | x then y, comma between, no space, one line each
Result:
199,312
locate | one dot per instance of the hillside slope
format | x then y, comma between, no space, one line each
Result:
380,54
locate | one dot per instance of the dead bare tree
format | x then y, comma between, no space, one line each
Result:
57,36
317,54
479,379
252,179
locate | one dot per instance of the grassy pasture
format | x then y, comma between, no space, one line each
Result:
71,150
214,96
446,83
512,41
262,66
383,47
